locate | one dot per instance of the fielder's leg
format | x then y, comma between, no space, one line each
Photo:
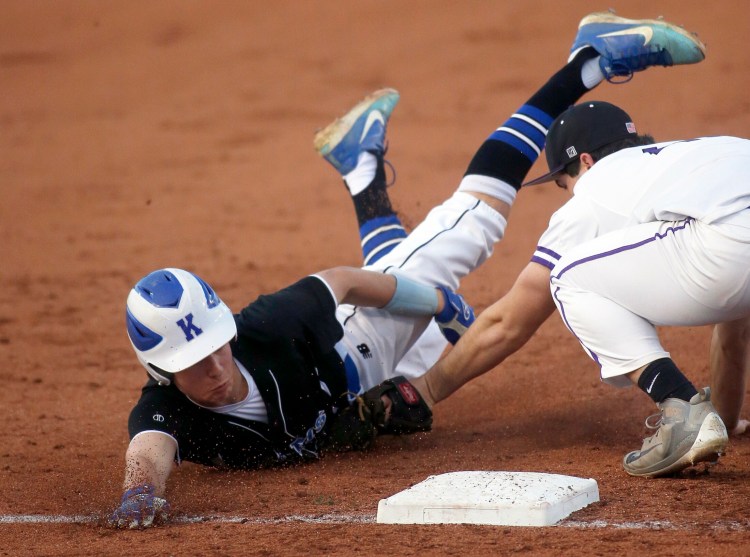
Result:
614,315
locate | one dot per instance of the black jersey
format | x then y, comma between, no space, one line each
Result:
286,342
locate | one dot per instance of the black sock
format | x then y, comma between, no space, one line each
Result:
662,380
380,228
373,201
564,88
507,157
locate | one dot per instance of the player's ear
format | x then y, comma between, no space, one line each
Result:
587,160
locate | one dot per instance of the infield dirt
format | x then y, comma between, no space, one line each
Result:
137,135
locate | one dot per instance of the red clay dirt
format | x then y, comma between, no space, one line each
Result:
136,135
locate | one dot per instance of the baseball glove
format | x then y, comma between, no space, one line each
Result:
409,413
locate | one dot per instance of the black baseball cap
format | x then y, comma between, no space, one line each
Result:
583,128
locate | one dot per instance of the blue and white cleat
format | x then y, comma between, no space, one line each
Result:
360,129
632,45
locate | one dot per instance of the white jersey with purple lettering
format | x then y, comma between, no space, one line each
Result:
655,235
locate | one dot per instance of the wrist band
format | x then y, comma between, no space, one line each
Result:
448,312
412,298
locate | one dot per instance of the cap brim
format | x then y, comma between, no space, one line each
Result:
551,175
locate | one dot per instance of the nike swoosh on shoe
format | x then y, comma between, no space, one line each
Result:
372,117
644,30
641,454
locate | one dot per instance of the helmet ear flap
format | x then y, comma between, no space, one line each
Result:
164,378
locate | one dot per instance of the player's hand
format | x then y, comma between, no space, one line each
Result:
140,508
741,428
456,317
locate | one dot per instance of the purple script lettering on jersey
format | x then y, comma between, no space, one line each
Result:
304,443
657,150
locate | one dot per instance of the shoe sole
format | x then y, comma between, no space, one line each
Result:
329,137
709,445
607,17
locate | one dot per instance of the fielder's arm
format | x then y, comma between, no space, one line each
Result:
730,367
497,333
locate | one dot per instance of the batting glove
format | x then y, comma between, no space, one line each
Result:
455,317
140,508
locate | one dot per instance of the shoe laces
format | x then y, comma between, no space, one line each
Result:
388,184
654,421
622,68
387,163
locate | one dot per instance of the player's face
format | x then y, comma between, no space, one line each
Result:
564,181
568,182
214,381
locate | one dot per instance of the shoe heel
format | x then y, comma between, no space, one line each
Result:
711,440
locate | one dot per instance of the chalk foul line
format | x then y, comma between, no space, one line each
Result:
358,518
329,518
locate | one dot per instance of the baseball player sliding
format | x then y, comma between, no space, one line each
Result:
319,365
654,234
